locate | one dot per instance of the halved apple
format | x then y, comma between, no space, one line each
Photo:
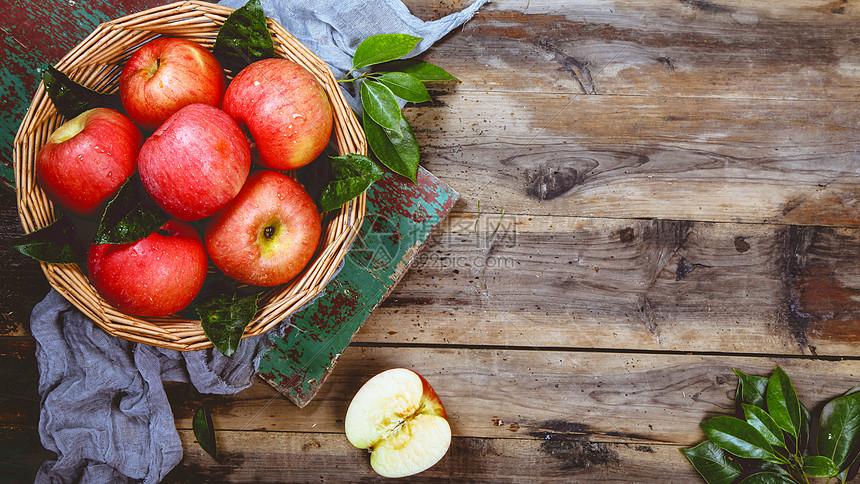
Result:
399,417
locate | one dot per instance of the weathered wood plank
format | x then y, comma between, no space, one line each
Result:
305,457
750,161
738,49
603,396
644,284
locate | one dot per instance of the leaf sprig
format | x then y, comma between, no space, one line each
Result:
389,134
771,443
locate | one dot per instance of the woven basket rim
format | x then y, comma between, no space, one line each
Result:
95,62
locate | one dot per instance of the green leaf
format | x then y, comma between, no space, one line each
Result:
54,243
405,86
396,150
71,98
424,71
244,38
751,389
224,318
839,429
819,466
353,174
767,478
739,438
204,431
383,48
765,425
380,104
782,402
131,215
712,463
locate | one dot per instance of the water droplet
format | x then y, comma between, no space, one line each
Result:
256,83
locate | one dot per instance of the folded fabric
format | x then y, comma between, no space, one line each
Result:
104,411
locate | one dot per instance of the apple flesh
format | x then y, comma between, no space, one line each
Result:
87,159
195,163
166,75
267,234
285,109
155,276
399,416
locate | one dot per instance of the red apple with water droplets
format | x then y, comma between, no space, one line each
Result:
155,276
286,110
267,234
87,159
195,162
167,74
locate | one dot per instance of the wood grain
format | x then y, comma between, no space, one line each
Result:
705,159
306,457
615,284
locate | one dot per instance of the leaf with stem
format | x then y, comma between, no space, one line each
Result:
381,48
740,438
819,466
712,463
839,429
423,71
398,150
380,104
764,423
405,86
782,402
751,389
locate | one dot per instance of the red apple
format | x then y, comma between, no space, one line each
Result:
286,110
155,276
399,417
267,234
195,162
166,75
87,159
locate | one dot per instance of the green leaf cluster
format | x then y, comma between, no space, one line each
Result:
389,135
771,443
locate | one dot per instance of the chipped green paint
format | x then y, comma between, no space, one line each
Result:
399,219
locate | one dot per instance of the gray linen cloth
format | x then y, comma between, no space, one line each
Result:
104,411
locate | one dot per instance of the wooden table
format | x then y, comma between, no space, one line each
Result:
680,184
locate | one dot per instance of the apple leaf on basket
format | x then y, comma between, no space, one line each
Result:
71,98
770,444
353,174
224,318
244,38
54,243
130,216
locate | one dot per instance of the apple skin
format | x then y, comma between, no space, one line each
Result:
267,234
155,276
166,75
399,416
195,162
87,159
285,109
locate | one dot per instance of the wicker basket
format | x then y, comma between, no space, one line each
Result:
97,62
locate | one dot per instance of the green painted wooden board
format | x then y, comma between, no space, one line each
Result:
400,217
